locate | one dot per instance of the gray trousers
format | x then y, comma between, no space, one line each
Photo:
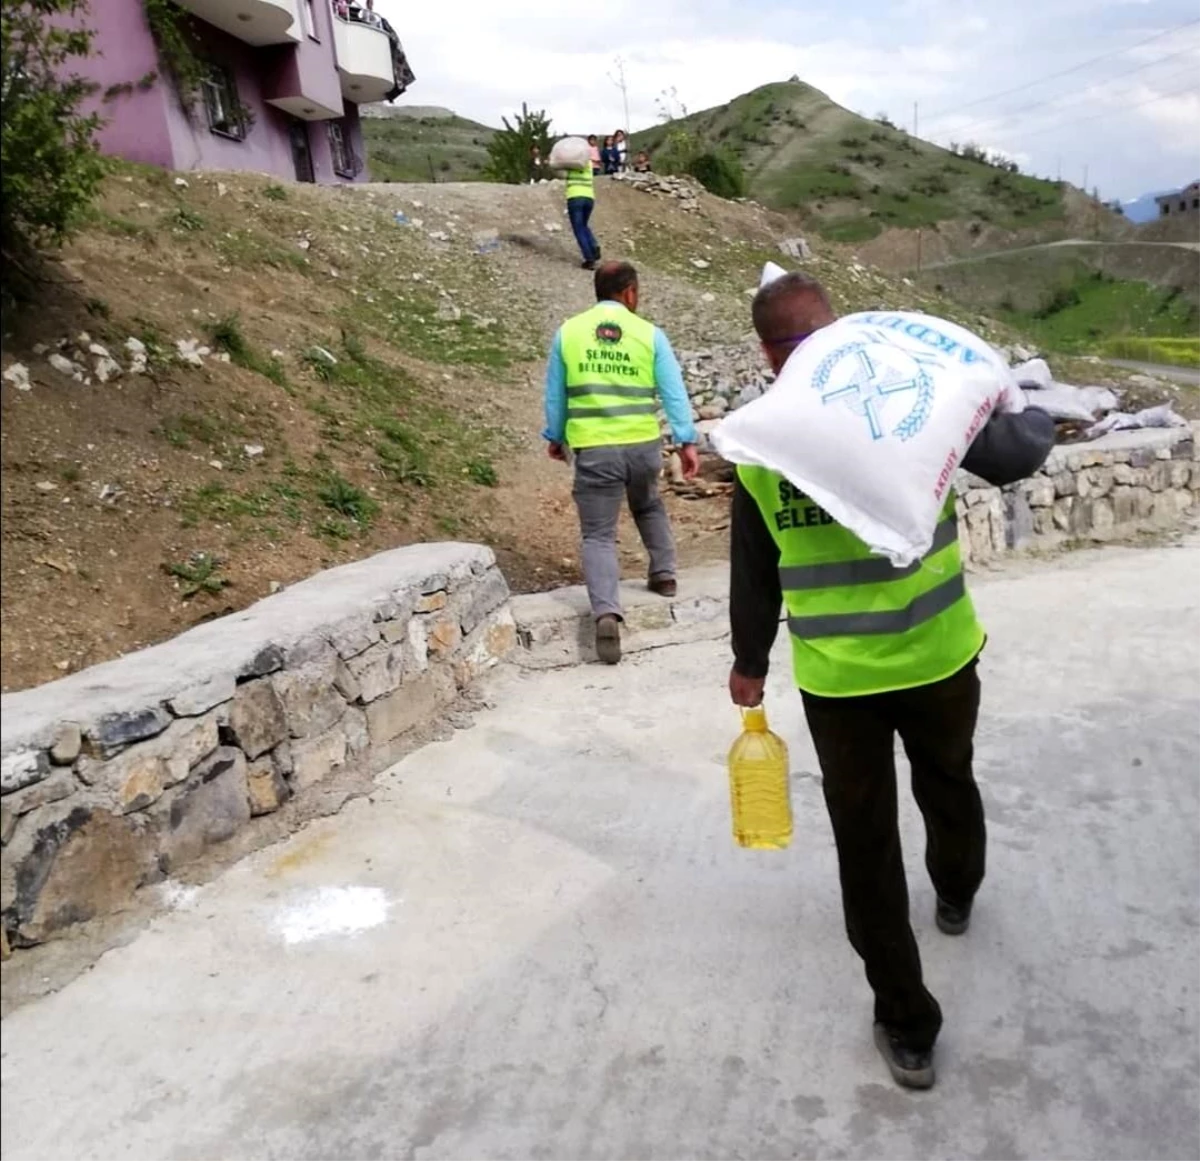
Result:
604,478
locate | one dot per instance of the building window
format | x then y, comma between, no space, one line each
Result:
309,15
345,164
221,103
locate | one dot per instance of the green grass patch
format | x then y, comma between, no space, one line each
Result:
249,250
184,218
183,430
850,230
425,148
1079,315
482,472
200,573
1178,352
226,335
217,502
342,497
121,227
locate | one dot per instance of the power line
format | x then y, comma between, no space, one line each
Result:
970,128
1190,90
1067,72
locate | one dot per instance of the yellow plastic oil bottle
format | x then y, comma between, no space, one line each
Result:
758,785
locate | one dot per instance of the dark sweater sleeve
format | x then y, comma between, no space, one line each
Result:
1011,447
754,592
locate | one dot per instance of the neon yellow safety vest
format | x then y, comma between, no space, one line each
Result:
859,625
581,183
608,352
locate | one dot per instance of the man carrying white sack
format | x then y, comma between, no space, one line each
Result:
877,651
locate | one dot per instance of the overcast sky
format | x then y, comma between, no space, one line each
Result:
483,59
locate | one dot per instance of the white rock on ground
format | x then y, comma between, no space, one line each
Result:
17,374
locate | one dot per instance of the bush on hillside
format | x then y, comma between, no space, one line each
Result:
49,168
1059,299
510,148
720,174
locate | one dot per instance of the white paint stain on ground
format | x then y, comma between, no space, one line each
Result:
178,896
331,911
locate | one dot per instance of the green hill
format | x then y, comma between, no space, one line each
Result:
425,148
851,177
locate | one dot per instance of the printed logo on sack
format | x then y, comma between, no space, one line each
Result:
851,377
608,332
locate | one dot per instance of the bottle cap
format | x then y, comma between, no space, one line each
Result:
754,719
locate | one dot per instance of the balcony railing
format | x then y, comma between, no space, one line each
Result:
364,60
253,21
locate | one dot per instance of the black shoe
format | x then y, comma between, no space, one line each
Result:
952,920
588,265
909,1067
608,639
664,586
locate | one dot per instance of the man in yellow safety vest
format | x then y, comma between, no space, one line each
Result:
876,651
581,200
607,373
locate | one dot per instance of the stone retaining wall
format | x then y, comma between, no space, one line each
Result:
1118,486
119,775
1114,487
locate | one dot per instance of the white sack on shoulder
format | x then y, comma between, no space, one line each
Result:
570,153
871,417
771,272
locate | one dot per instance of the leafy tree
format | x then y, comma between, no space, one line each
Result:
49,167
720,174
510,148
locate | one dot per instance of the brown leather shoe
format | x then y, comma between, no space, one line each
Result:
608,639
664,586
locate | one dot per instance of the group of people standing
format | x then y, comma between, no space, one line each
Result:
611,157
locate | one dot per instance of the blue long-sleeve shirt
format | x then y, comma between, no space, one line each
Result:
668,380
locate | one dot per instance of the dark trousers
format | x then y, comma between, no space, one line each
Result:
855,739
579,210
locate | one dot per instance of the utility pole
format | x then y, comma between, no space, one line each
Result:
916,118
619,81
1085,177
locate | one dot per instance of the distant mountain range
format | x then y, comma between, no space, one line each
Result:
1145,208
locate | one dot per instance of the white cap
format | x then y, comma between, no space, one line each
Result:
770,273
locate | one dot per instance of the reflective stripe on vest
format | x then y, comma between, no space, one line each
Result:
581,183
859,625
608,353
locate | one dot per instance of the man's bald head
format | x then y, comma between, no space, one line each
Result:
617,282
786,312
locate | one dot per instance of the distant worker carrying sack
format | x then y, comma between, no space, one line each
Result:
570,153
871,417
581,193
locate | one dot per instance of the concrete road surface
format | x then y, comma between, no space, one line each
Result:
537,940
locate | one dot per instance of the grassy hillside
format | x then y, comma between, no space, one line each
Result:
367,384
1073,296
425,148
851,177
1079,314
